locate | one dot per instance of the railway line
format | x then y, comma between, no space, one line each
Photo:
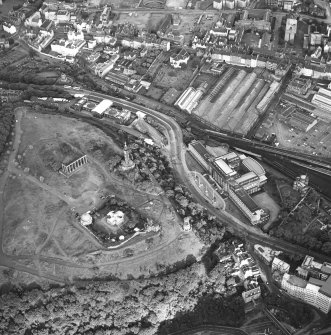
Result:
261,148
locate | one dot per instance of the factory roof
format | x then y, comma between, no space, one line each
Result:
102,106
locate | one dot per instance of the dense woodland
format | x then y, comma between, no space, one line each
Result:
302,227
126,307
6,121
165,304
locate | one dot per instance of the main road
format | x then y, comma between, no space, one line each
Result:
176,148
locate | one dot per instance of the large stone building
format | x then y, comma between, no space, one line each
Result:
312,285
238,175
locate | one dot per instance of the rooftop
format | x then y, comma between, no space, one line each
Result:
247,200
102,106
326,288
254,166
224,167
202,151
296,281
246,176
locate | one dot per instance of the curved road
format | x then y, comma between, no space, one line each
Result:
177,150
178,160
210,330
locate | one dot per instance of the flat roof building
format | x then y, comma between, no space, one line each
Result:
278,264
102,107
200,153
322,98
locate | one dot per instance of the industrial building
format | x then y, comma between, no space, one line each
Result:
322,98
233,102
191,97
101,108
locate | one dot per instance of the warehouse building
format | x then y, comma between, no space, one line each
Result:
322,98
100,109
191,97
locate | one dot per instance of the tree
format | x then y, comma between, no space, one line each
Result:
32,53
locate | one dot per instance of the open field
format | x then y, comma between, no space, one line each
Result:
141,20
171,96
167,77
38,222
12,56
155,20
7,6
154,92
40,231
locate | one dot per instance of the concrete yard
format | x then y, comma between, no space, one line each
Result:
316,141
